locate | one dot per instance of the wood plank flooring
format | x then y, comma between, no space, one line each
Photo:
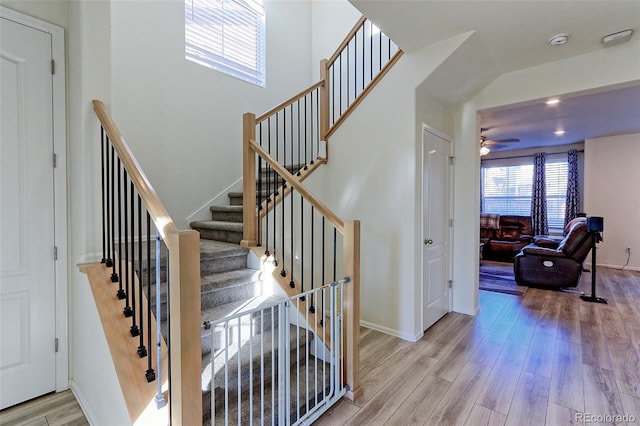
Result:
54,409
547,358
543,359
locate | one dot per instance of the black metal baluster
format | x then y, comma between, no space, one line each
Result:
104,194
380,51
306,133
301,245
335,245
312,308
340,87
109,260
260,173
389,52
121,294
333,94
370,51
150,374
317,115
292,283
127,308
283,272
348,76
284,135
266,217
142,350
363,55
306,155
168,336
114,272
291,128
275,199
134,327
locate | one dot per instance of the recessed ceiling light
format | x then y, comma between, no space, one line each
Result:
559,39
559,132
553,101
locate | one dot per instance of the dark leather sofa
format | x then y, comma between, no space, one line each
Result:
507,239
554,264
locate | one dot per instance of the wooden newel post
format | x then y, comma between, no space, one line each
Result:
249,208
351,309
185,346
324,104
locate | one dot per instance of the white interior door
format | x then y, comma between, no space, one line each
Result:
436,229
27,268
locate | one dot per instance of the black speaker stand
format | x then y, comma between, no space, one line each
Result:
593,298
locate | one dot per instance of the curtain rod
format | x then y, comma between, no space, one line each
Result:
530,155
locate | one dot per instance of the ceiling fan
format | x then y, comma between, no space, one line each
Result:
486,144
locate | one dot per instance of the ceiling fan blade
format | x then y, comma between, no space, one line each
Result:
508,140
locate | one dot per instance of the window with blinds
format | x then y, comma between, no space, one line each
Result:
506,187
228,36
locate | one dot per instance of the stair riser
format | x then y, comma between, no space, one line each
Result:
227,216
222,264
219,235
226,295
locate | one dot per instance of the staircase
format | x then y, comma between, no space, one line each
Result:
230,287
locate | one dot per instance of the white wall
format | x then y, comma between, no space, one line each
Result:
372,176
607,67
331,21
184,121
612,190
93,375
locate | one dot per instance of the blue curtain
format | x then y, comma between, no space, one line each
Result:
573,191
539,196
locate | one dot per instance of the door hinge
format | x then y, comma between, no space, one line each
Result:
53,66
55,160
55,253
56,345
450,223
450,283
451,160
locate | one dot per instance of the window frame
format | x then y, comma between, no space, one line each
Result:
214,37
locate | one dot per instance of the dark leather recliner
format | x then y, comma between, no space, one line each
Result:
546,263
505,241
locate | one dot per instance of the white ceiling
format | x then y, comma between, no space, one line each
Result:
509,35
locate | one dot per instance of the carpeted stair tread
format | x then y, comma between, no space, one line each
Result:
235,209
231,278
217,225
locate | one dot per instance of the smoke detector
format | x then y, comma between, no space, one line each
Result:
616,38
559,39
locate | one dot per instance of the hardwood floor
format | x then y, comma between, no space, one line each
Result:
54,409
547,358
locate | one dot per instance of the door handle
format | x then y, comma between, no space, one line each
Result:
429,241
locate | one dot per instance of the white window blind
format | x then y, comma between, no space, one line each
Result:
506,187
228,36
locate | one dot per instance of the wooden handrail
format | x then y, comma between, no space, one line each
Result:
347,39
154,206
287,176
291,100
363,94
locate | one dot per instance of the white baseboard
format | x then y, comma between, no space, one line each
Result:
606,265
203,213
82,401
391,331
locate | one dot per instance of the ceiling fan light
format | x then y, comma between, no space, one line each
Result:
484,151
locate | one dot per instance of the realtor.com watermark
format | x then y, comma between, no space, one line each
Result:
605,418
